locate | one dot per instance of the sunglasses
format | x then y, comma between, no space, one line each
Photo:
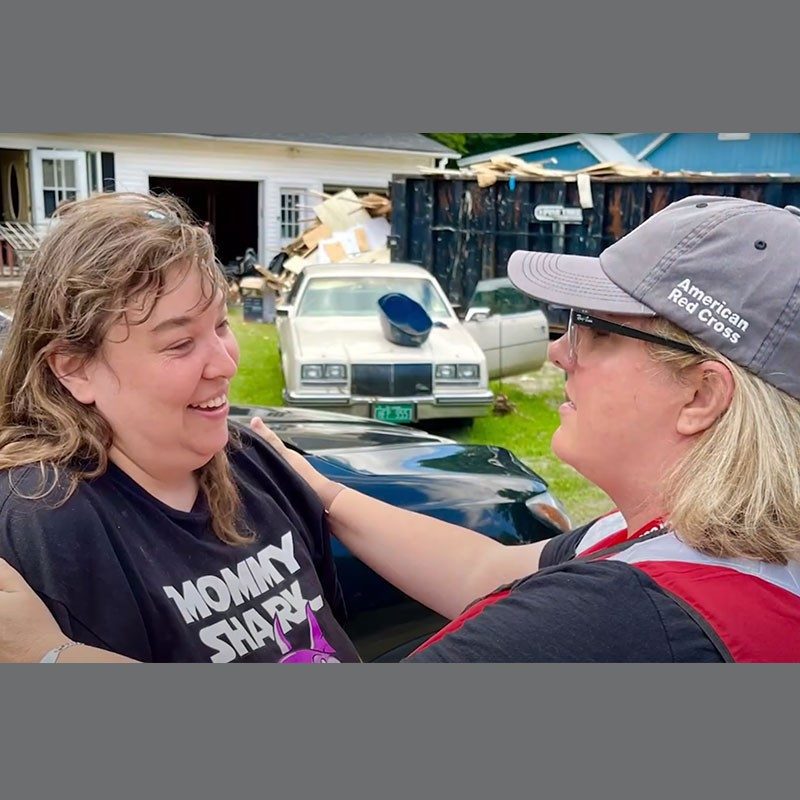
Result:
160,216
581,319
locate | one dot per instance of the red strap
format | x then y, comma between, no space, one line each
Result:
479,606
622,536
473,611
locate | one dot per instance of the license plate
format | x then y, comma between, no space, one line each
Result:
399,412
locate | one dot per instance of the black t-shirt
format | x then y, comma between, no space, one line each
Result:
576,611
121,570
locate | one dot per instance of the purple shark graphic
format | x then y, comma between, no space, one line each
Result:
318,652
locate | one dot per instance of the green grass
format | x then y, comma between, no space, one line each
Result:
526,431
259,380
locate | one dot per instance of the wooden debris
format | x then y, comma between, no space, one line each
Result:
503,167
502,405
345,228
312,237
381,255
376,205
334,251
342,211
361,239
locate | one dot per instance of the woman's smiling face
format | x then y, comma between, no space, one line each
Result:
162,384
620,419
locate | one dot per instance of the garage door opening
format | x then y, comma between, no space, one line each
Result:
230,207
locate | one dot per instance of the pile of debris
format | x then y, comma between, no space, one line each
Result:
506,166
497,167
347,228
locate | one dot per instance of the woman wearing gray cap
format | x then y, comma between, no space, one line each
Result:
682,362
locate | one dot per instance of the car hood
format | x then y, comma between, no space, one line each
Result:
365,449
361,340
331,429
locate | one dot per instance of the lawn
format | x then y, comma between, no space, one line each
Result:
259,380
526,431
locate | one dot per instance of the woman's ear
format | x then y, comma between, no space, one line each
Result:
73,374
711,385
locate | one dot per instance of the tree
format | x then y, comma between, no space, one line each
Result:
470,144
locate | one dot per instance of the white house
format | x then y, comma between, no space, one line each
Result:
254,190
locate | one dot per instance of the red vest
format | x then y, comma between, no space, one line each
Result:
749,609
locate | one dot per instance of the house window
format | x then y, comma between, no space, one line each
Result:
58,175
94,171
58,183
296,213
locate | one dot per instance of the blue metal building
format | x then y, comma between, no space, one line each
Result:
721,153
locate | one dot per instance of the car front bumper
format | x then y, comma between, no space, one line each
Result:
474,404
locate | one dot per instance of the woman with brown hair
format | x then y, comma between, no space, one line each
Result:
145,524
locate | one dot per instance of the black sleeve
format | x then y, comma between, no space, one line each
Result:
301,504
70,626
581,612
562,548
65,556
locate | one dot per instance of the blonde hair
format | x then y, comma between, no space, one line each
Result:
736,493
99,254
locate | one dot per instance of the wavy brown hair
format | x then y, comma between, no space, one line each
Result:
97,257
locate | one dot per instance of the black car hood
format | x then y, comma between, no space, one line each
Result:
368,448
315,430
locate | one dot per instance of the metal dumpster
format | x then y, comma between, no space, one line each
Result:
463,233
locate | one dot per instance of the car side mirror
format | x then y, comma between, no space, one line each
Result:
282,311
479,313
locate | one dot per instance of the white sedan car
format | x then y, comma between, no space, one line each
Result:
334,353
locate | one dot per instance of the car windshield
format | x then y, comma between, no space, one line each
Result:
358,297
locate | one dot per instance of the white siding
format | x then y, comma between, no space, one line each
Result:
137,157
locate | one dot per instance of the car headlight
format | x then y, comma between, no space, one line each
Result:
458,372
446,371
546,507
327,373
336,371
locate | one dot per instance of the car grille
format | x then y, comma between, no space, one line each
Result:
392,380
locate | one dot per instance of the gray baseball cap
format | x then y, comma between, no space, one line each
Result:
723,269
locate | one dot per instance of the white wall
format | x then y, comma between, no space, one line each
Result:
137,157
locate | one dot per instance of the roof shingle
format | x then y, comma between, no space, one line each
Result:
414,142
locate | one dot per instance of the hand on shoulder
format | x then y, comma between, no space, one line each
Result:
325,488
